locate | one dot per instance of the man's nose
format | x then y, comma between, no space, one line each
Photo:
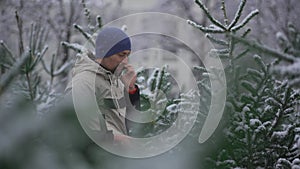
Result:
125,60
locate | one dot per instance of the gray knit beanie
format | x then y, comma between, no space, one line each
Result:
111,40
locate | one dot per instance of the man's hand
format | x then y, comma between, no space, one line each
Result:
129,77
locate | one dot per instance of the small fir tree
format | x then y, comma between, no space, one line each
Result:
262,128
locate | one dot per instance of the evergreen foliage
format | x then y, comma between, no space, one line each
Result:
289,43
156,101
34,132
263,127
26,72
262,130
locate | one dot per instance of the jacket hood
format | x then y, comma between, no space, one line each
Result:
85,62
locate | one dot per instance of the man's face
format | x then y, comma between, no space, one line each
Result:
119,59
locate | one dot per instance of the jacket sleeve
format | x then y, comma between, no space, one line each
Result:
135,98
133,106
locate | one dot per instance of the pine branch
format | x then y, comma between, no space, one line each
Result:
221,51
41,39
31,92
5,47
45,67
261,63
20,29
205,87
241,54
39,57
200,68
216,41
99,21
86,11
289,70
223,8
205,29
63,68
32,37
85,34
51,71
245,21
264,49
53,64
76,47
7,78
246,33
238,14
232,43
295,82
210,17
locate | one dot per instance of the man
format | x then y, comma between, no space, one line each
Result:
103,87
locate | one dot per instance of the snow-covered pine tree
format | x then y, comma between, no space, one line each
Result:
263,125
204,95
10,67
28,85
263,128
156,101
87,32
225,47
290,44
26,95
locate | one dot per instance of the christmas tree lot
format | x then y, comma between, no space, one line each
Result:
260,124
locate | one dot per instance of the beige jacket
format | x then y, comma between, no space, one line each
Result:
98,97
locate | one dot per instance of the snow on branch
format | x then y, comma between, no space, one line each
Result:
51,70
99,21
223,8
220,28
217,41
45,67
85,34
260,63
80,29
210,17
205,29
292,69
264,49
87,12
43,51
5,47
282,134
237,14
9,76
63,68
295,81
246,20
75,46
